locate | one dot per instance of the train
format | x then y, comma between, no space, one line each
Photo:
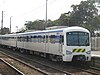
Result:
64,44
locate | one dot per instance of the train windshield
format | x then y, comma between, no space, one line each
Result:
77,38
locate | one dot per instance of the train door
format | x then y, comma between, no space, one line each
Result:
16,41
61,43
47,43
55,45
22,42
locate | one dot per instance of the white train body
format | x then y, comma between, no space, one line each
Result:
72,43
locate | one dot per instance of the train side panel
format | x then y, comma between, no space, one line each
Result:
49,43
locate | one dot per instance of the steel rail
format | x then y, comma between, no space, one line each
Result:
21,73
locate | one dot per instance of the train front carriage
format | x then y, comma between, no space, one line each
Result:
77,45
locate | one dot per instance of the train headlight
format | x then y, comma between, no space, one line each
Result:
88,52
68,52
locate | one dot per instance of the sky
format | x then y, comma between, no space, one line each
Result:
21,11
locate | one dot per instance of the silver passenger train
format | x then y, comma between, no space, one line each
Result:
65,44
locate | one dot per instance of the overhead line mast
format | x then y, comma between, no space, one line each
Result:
2,20
46,15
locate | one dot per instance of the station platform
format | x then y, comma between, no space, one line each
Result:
95,53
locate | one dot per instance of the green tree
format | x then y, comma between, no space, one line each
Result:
28,25
50,23
83,13
96,22
98,1
64,19
4,31
36,25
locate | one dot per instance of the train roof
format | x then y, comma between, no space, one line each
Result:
73,28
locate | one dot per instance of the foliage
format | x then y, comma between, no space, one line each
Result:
84,12
36,25
98,1
4,31
64,19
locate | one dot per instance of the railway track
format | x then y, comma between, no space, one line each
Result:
8,69
93,71
12,61
90,70
54,68
33,67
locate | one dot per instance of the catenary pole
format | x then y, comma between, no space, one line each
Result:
46,15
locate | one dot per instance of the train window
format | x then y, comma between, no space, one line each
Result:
52,39
17,38
3,38
20,39
27,38
12,37
61,39
23,38
57,39
39,38
35,38
7,38
32,38
46,38
77,39
42,38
